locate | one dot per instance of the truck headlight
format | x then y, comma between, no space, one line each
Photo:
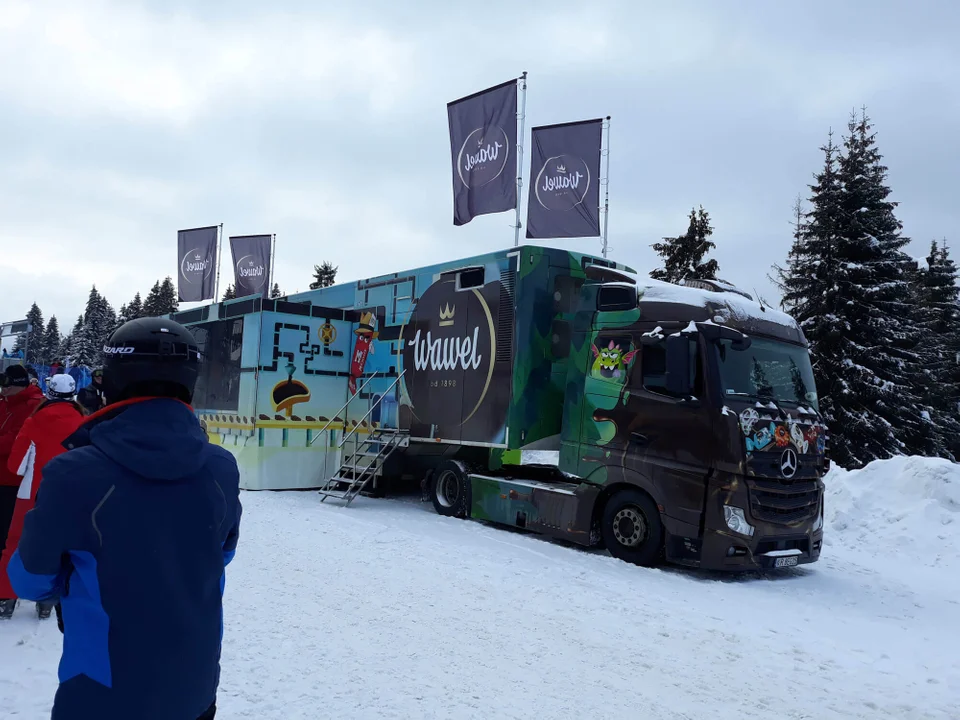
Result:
736,520
818,523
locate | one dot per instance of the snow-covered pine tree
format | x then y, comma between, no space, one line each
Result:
877,413
683,255
152,303
168,297
83,351
229,294
324,275
939,299
32,341
811,287
276,292
52,341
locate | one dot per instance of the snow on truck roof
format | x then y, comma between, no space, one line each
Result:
730,306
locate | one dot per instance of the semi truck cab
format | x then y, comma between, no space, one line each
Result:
693,422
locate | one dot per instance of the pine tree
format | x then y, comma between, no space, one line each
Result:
99,322
229,294
162,299
683,255
276,292
81,346
32,341
847,283
939,300
324,275
52,341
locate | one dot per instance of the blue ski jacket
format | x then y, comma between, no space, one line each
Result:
132,530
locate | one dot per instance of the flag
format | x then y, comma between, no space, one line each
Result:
197,257
251,264
483,141
564,199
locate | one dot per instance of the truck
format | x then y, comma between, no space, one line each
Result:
682,420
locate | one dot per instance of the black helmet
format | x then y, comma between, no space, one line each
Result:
150,356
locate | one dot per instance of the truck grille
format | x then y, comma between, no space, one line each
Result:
783,502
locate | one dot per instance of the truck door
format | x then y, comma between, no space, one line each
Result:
670,439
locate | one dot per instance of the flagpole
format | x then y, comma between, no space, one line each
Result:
216,287
523,117
273,261
606,192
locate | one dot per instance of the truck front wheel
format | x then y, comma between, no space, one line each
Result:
631,527
450,489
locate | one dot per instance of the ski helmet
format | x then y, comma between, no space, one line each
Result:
149,353
61,387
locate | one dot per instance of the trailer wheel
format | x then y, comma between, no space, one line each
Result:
450,489
631,528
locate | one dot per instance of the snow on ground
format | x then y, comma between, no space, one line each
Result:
386,610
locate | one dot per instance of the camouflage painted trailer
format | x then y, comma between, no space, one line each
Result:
684,419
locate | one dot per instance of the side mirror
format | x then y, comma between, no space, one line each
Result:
741,343
678,366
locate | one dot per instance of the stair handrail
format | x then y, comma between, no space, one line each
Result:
375,405
342,408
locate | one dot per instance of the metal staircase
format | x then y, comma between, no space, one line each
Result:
362,464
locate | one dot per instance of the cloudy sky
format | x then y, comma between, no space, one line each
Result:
326,124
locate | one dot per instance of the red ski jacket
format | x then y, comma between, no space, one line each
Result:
37,444
14,412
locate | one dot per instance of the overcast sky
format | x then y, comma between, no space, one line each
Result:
326,124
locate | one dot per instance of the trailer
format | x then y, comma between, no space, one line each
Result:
684,419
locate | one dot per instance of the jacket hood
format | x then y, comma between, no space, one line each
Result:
155,438
31,392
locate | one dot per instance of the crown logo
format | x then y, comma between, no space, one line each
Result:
197,257
480,142
561,169
446,315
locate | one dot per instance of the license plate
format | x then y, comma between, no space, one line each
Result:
786,561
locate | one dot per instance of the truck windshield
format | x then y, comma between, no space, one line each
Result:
768,370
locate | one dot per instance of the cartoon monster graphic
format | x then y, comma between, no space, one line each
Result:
761,439
798,438
611,362
782,436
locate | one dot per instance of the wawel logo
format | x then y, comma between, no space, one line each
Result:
127,350
253,272
448,350
562,182
483,156
195,266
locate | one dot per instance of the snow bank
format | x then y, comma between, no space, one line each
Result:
907,508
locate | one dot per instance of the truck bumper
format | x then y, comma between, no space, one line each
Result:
724,550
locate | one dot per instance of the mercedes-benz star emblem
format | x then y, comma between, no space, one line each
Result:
789,463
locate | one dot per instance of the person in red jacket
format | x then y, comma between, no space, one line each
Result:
39,441
20,399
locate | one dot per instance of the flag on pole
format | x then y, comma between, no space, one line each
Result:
251,264
483,141
197,258
564,200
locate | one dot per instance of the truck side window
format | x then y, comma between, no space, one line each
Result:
653,369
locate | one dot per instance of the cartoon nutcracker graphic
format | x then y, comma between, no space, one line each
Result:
361,349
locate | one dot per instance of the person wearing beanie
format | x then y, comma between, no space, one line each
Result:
20,399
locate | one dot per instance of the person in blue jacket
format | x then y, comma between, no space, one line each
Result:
132,530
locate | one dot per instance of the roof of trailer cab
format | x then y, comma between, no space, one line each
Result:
448,266
660,301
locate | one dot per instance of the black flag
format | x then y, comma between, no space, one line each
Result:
251,264
564,197
483,141
197,257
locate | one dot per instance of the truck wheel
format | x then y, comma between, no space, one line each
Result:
450,489
631,528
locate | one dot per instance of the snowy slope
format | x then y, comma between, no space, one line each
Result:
385,610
